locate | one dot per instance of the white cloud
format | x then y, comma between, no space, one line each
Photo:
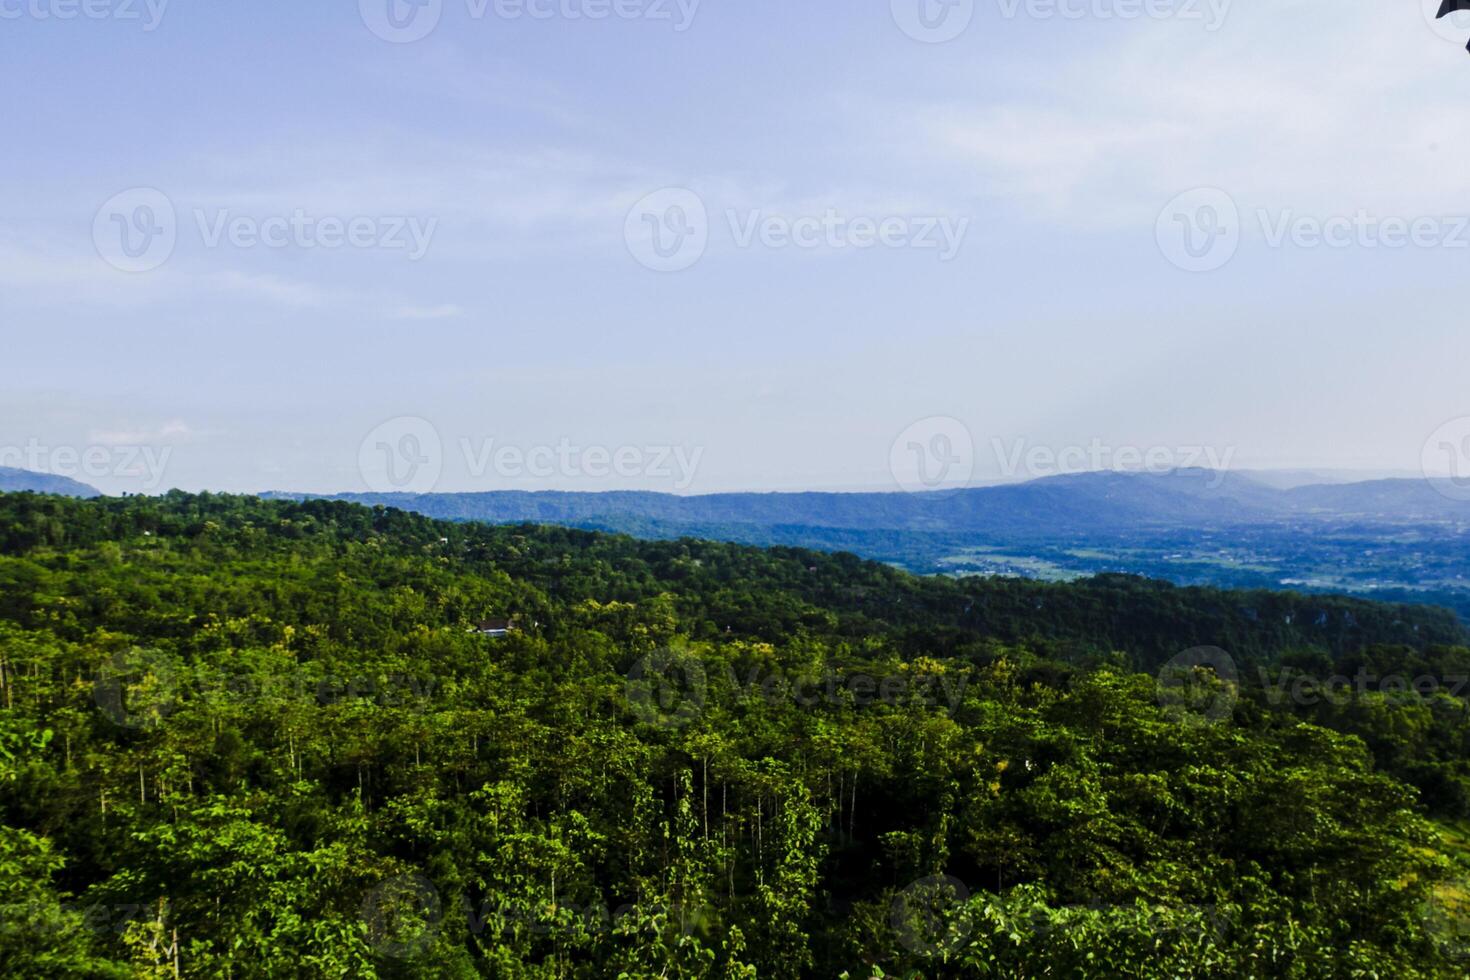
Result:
173,430
444,311
1288,106
278,290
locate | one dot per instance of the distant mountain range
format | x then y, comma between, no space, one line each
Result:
14,481
1397,539
1083,502
1394,539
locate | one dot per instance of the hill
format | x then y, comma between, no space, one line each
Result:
1403,540
255,738
16,481
1087,501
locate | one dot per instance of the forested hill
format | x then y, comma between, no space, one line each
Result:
256,738
15,481
1183,498
1400,540
719,588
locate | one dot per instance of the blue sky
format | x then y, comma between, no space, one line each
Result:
1050,147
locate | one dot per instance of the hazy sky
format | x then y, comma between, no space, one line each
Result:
600,244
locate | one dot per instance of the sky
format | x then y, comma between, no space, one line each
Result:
704,246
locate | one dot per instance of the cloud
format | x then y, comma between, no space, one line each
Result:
1285,107
277,290
171,431
444,311
50,270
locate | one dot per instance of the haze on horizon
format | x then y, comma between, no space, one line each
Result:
270,241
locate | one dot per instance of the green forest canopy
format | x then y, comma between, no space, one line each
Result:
247,738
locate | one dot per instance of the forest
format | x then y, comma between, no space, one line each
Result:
262,738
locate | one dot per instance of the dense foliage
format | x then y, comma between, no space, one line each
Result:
243,738
1391,540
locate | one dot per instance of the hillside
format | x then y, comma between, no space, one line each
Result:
1400,540
16,481
256,738
1087,501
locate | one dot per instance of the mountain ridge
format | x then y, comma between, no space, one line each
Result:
13,480
1076,501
